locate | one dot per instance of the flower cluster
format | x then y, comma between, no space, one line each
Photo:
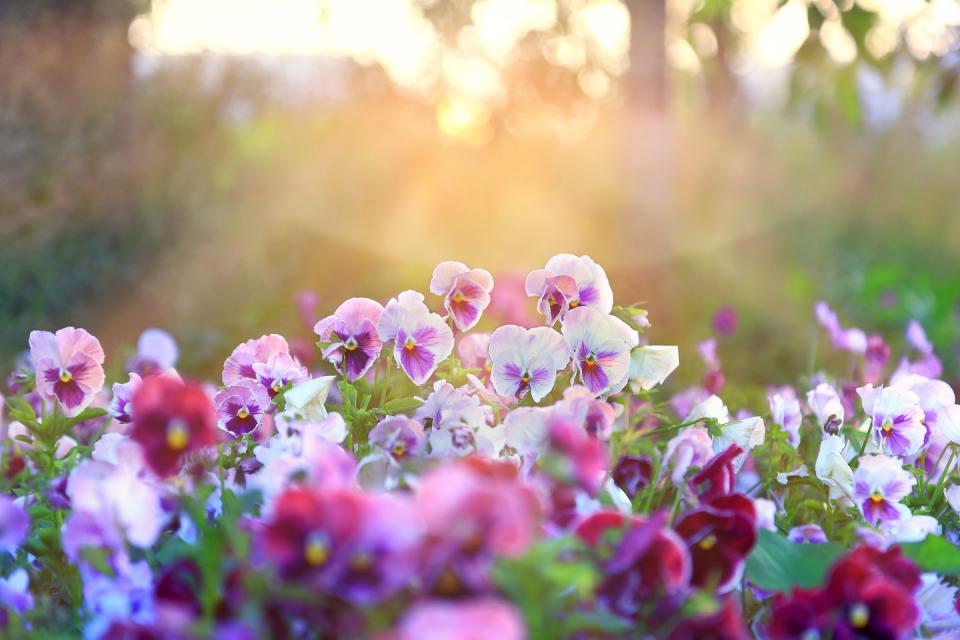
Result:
428,478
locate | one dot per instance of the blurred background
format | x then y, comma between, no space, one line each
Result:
197,164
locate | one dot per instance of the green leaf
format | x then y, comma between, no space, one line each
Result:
934,554
89,413
776,564
399,405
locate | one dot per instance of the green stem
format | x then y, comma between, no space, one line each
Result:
386,382
938,491
863,445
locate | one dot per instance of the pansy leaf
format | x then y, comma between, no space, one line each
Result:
399,405
935,554
776,564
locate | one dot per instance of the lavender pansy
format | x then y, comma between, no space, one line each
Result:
898,420
422,340
465,291
354,344
879,484
69,367
121,406
568,282
14,524
526,360
600,347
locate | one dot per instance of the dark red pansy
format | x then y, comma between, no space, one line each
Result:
632,473
720,534
718,476
171,418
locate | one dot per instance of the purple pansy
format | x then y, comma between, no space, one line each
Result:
398,437
879,484
465,291
785,411
526,360
14,524
121,406
156,352
807,534
898,421
352,333
15,593
853,340
279,370
69,366
600,346
241,407
568,282
422,340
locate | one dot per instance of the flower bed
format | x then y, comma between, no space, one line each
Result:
428,480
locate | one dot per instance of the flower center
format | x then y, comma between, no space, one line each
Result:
351,344
525,377
244,413
277,385
591,361
316,552
709,542
859,615
458,297
410,344
65,376
574,304
398,450
178,436
887,428
361,562
876,497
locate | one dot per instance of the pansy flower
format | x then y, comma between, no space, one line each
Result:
826,405
853,340
691,447
485,618
449,405
241,407
600,347
14,524
650,365
422,340
785,411
156,352
121,406
879,484
807,534
171,419
526,360
241,362
398,437
898,421
465,291
832,468
568,282
720,534
580,407
354,344
69,366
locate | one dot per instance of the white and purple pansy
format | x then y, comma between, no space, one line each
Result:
241,407
69,367
399,437
278,371
568,282
465,291
879,484
526,360
354,344
600,346
121,406
422,340
899,428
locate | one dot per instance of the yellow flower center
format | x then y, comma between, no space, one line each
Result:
410,344
709,542
887,428
398,450
243,414
178,436
591,361
525,377
574,304
859,616
316,552
277,385
458,297
65,376
876,497
351,345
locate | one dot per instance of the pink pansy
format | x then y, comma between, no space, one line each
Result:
600,346
852,340
580,407
69,367
898,420
526,360
879,484
568,282
691,447
279,370
929,364
240,363
241,407
398,437
826,405
473,351
708,353
352,333
121,406
465,291
156,352
422,340
483,619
